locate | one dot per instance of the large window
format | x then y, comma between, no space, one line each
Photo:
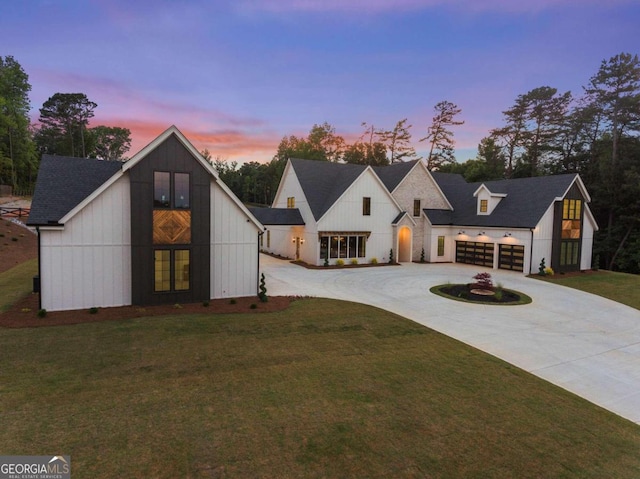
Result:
162,190
366,206
343,246
171,270
571,231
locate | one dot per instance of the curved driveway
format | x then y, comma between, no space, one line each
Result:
581,342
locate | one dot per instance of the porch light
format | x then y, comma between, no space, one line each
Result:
481,233
293,240
461,232
507,234
301,240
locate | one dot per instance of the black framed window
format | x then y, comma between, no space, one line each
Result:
161,189
171,190
172,270
348,246
416,208
181,190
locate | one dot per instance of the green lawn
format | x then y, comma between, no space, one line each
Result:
620,287
16,283
323,389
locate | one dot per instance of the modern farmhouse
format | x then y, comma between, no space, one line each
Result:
158,228
325,212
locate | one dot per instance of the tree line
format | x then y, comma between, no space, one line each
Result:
63,129
544,132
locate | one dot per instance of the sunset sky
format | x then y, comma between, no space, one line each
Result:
237,76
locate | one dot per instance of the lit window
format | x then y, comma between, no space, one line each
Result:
366,206
181,269
416,208
343,246
165,276
440,245
291,202
484,206
162,266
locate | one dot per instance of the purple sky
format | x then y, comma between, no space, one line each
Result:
237,76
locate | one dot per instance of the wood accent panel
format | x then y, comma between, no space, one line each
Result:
171,227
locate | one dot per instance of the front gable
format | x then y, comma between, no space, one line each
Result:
291,195
347,212
419,185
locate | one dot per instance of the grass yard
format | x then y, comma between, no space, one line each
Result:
323,389
620,287
16,283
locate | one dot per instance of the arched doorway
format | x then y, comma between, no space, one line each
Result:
404,245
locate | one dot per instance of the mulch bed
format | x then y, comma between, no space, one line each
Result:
464,291
23,314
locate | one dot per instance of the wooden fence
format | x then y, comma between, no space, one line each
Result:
14,212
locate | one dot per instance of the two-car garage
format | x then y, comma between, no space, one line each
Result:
510,256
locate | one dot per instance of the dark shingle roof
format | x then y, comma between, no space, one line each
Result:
278,216
526,202
324,182
392,175
63,183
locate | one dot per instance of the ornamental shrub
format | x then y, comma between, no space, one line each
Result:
373,260
541,268
263,290
548,271
483,281
339,262
354,261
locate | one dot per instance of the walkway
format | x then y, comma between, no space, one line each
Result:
578,341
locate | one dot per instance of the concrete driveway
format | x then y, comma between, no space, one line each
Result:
578,341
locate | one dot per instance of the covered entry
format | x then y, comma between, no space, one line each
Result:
404,245
471,252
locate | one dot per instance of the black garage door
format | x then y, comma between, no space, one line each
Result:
511,257
470,252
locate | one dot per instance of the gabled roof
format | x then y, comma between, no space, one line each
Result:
526,201
324,182
63,183
393,175
64,193
278,216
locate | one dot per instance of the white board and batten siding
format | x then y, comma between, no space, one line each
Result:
234,249
87,263
346,215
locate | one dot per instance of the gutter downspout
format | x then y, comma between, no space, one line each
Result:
39,270
260,233
531,251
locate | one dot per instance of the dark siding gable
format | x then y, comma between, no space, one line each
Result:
172,156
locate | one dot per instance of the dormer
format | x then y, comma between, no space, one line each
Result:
487,200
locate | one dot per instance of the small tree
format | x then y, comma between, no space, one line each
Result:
391,261
483,281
